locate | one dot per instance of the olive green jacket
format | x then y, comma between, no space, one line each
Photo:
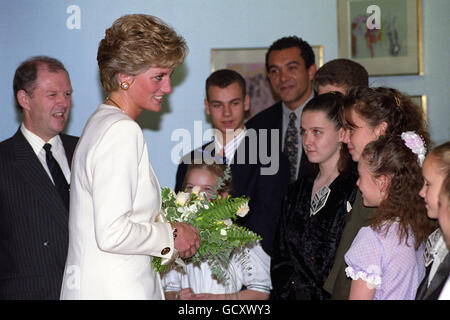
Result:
337,283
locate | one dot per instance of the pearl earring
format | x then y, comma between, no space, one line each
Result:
124,85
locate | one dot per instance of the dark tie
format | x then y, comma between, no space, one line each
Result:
224,158
291,145
57,174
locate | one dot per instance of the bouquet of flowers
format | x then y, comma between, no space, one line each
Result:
213,218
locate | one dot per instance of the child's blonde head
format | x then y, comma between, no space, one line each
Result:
440,156
217,170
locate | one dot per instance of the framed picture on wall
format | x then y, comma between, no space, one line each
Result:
384,36
421,101
250,63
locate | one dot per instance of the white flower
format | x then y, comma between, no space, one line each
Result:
349,207
243,210
415,143
228,222
196,190
182,198
187,211
223,232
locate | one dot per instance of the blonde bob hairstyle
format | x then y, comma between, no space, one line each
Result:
135,43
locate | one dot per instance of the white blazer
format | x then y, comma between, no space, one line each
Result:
114,200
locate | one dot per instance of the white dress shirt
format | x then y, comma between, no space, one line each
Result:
57,150
231,146
437,251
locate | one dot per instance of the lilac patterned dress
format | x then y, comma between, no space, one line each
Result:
394,269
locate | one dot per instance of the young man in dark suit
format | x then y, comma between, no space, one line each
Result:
34,188
290,66
260,174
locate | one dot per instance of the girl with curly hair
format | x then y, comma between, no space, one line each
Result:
374,112
385,260
369,113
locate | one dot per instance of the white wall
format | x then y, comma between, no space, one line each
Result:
31,27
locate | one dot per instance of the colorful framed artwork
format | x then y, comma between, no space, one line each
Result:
384,36
250,63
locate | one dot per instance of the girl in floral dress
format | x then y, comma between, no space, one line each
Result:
369,114
385,260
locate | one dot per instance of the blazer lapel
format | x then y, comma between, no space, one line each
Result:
29,166
279,124
440,277
68,149
422,289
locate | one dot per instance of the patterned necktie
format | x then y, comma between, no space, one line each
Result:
291,145
57,174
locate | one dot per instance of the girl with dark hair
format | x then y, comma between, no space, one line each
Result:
385,259
374,112
314,213
369,114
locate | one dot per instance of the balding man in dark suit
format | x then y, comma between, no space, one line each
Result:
34,184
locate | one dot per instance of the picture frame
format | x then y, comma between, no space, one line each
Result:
393,49
421,101
250,63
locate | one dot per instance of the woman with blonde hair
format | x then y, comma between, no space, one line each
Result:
114,226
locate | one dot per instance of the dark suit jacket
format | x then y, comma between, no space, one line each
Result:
272,119
433,291
33,223
266,192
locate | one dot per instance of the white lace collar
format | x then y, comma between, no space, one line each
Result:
435,248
